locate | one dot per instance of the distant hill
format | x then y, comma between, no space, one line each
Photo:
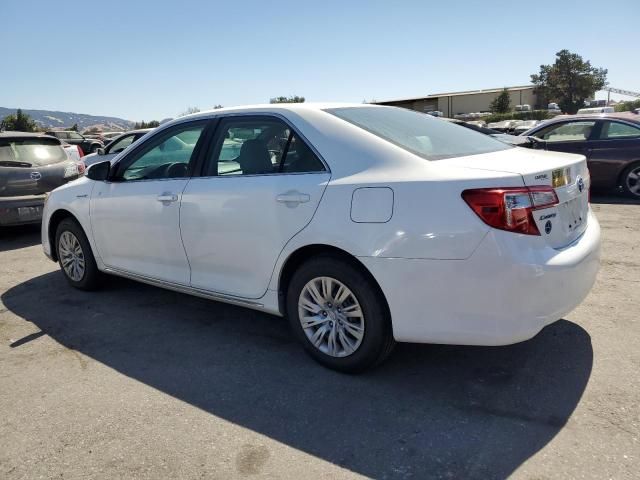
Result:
50,118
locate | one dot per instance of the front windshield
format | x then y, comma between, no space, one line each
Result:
419,133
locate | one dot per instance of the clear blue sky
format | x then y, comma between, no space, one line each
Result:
153,59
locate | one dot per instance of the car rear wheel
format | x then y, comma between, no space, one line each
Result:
338,314
631,181
75,257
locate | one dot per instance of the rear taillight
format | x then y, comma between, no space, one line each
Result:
80,152
510,208
81,167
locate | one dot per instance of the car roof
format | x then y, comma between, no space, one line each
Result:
11,134
628,116
278,107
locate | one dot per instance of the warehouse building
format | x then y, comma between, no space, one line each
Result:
460,103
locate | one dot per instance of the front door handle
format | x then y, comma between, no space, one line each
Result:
293,198
167,197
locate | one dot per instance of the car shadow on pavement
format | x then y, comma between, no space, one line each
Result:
14,238
612,198
429,411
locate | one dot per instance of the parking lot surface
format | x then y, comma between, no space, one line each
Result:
137,382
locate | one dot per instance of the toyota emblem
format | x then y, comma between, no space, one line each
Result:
36,175
580,184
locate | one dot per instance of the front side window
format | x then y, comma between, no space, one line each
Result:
121,144
75,136
419,133
615,130
260,146
165,155
567,132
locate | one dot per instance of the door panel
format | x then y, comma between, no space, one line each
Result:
135,231
234,227
135,217
617,147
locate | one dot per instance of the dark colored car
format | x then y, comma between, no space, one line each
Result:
88,145
611,143
30,166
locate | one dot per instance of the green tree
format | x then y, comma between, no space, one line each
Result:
502,103
143,124
292,99
19,122
569,81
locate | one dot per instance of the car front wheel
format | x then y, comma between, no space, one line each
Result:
338,314
75,257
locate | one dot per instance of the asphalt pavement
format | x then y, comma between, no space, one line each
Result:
137,382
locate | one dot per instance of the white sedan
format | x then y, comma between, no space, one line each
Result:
364,225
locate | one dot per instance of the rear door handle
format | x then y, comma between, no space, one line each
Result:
293,198
167,197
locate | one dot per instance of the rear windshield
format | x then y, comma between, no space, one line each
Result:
419,133
32,151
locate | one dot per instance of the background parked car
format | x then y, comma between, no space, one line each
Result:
524,125
73,151
117,145
518,141
30,166
505,126
611,143
87,145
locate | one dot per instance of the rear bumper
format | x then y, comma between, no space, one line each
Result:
21,210
506,292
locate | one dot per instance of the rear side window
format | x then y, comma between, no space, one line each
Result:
260,146
32,151
419,133
613,130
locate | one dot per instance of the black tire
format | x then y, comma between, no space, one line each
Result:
90,278
631,186
377,342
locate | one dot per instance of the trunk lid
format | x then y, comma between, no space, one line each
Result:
560,224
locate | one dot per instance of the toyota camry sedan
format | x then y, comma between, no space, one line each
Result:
363,225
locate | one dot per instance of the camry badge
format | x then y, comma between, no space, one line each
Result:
36,175
580,184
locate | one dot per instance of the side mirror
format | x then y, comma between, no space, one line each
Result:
100,151
99,171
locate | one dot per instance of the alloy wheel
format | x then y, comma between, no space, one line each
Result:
633,181
331,317
71,256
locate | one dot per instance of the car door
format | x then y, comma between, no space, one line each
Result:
135,215
617,145
260,184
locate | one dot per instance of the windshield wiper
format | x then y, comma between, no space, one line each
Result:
12,163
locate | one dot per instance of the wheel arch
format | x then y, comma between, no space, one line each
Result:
54,220
302,254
